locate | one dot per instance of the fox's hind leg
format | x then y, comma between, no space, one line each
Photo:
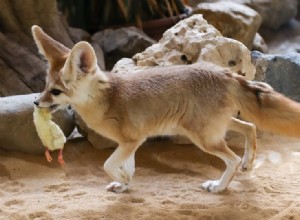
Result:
219,149
120,166
249,131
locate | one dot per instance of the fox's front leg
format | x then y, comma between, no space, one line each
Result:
120,166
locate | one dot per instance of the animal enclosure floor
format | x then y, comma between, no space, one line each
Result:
166,184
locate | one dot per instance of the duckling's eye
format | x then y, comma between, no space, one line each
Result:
55,92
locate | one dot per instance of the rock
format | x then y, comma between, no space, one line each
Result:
280,71
126,65
120,43
298,11
233,20
274,13
189,41
259,44
77,35
21,69
289,45
95,139
285,40
100,55
17,131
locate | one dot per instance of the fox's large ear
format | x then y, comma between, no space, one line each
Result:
81,62
50,48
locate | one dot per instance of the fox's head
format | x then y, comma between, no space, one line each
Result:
70,73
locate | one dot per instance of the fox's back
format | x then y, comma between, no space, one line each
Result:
167,95
205,83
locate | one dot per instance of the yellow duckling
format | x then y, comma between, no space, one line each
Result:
50,133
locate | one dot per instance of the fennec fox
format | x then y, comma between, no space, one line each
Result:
197,101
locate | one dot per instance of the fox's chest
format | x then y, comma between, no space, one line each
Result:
107,127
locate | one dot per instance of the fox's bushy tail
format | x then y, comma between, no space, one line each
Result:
267,109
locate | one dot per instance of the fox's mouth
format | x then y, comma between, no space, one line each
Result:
53,108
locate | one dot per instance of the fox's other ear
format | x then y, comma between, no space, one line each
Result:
81,62
50,48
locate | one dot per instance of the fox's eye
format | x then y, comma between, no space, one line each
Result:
55,92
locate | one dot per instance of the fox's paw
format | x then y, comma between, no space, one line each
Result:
246,164
245,167
213,186
117,187
125,175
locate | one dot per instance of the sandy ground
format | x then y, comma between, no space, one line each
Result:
166,184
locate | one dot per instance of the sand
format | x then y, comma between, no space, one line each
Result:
166,184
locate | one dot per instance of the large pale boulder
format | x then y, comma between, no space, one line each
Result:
233,20
189,41
17,131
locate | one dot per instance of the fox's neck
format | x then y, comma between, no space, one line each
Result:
94,103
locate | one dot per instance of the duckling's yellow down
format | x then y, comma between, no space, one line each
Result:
50,133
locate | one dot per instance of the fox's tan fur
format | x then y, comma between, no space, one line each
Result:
197,101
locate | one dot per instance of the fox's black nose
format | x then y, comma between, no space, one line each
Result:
36,103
